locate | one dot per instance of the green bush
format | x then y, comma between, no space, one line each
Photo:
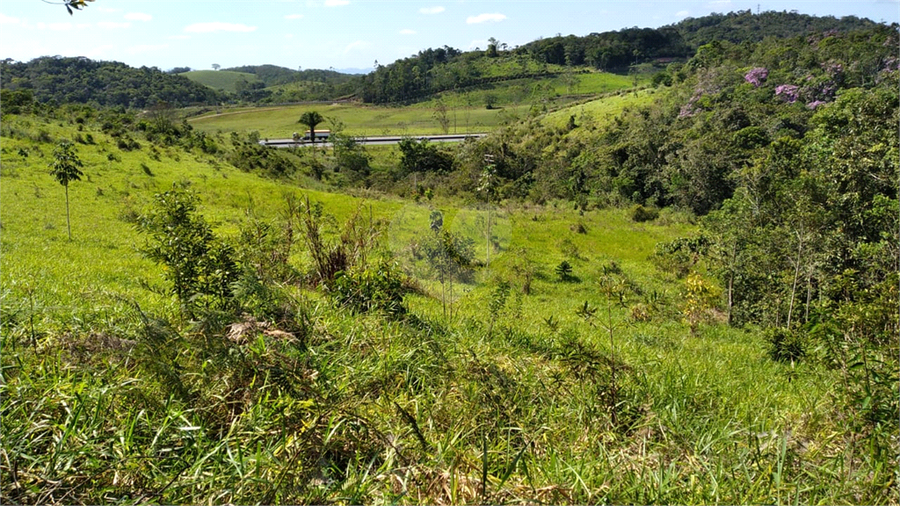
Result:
378,287
785,345
200,267
564,271
641,214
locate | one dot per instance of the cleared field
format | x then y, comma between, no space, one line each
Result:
466,110
220,79
280,122
600,110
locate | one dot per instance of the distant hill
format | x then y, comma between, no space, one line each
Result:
435,70
225,80
622,48
744,26
353,71
84,81
273,75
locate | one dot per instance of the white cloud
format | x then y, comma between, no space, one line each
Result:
55,27
682,14
407,31
179,37
217,26
477,44
294,16
336,3
9,20
109,25
138,16
146,48
719,3
484,18
431,10
356,46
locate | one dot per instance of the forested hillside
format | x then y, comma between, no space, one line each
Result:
435,70
83,81
629,46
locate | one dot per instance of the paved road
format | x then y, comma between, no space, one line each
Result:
289,143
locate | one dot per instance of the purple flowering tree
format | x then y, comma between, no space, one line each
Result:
788,92
757,76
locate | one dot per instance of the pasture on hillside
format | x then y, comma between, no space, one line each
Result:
220,79
465,110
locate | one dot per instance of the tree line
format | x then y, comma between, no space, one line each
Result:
102,84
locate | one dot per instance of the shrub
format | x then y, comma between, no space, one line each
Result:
377,287
200,267
641,214
785,345
568,248
564,271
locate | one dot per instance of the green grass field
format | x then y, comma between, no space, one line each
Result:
589,388
281,122
220,79
466,110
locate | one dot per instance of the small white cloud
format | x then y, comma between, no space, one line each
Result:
356,46
719,3
294,16
682,14
476,44
336,3
147,48
407,31
138,16
55,27
112,26
216,26
9,20
289,36
485,18
431,10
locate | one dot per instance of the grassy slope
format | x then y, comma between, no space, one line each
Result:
465,109
281,122
220,79
708,418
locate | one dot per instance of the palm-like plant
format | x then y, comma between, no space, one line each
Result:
311,119
65,168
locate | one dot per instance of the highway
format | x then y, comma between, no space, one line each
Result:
290,143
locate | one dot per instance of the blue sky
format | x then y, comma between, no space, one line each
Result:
339,34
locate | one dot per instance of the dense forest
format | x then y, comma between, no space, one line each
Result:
629,46
102,84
